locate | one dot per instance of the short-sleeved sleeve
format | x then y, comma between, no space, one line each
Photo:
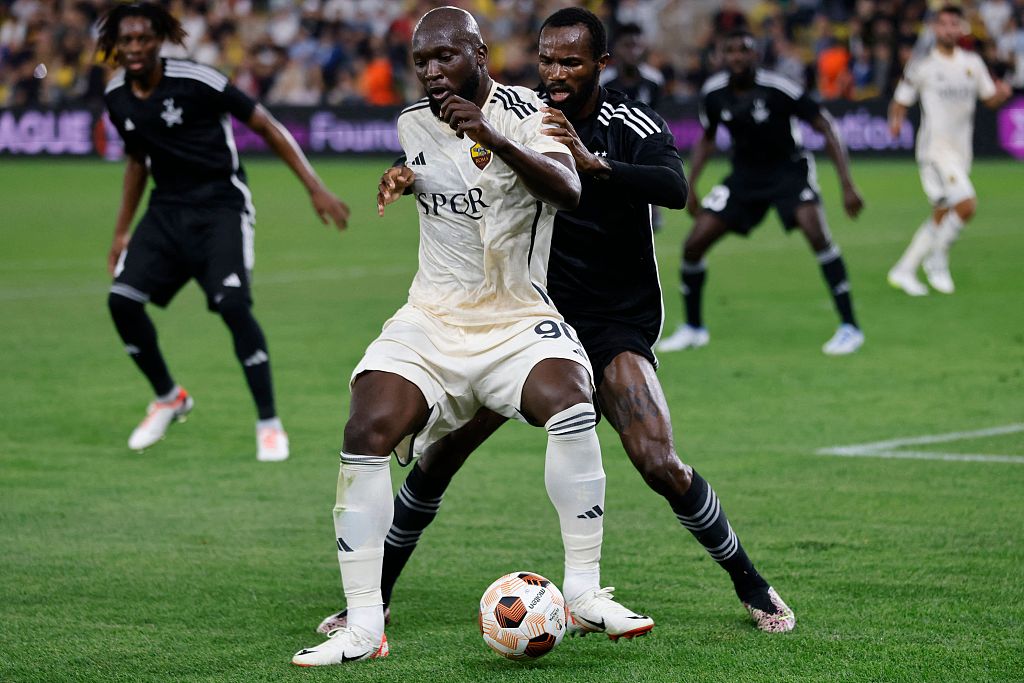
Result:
806,108
908,88
986,86
527,130
709,113
237,103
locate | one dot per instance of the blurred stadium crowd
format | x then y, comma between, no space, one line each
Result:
333,52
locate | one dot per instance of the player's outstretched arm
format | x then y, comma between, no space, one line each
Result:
393,184
653,176
1003,93
824,124
135,177
325,203
702,151
897,115
550,177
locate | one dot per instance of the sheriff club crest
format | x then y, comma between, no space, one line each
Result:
481,156
760,111
171,114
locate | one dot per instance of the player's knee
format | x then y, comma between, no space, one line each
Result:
371,434
123,308
573,421
966,209
233,308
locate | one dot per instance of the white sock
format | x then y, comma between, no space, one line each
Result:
362,516
575,481
170,395
274,422
948,231
919,247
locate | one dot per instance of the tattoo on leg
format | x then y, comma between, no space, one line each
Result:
634,403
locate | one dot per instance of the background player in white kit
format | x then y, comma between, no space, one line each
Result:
478,331
947,81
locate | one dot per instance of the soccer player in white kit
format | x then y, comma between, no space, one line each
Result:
947,82
478,330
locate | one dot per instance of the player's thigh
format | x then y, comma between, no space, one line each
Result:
531,369
151,269
632,399
385,408
222,255
736,203
946,182
446,456
810,219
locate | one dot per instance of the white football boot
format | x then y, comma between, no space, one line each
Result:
936,270
908,282
780,621
596,612
847,339
340,620
685,337
159,416
272,444
343,646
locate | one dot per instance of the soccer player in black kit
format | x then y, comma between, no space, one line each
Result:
174,117
603,278
769,168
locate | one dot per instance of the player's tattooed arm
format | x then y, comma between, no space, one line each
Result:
135,177
853,203
393,184
550,177
326,204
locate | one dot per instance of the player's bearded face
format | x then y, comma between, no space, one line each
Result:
138,47
948,29
446,70
739,56
567,67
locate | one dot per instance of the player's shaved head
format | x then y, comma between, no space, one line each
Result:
448,24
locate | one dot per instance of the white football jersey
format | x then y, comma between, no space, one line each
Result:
948,88
484,239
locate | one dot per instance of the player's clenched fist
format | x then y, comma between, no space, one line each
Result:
395,181
466,119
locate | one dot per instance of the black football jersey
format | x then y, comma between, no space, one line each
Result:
762,120
183,132
602,264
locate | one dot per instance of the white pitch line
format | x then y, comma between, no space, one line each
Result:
885,449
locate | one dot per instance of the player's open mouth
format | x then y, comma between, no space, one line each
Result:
559,95
439,94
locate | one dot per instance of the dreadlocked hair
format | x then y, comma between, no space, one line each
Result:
163,22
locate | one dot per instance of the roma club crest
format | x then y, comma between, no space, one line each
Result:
481,156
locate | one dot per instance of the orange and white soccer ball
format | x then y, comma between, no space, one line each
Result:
522,616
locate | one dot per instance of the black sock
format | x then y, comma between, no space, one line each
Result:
700,512
416,505
693,275
834,271
251,350
139,337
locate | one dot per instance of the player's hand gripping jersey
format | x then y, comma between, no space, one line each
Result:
484,239
948,88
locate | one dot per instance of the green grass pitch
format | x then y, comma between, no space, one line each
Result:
193,562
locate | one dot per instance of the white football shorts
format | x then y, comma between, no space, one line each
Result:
460,369
946,183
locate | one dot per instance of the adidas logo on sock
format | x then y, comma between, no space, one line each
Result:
232,280
592,513
255,359
418,160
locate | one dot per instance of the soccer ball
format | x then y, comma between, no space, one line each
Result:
522,616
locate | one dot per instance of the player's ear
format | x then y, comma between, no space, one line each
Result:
602,62
481,54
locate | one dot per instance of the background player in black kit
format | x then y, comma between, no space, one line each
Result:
769,168
603,278
174,117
